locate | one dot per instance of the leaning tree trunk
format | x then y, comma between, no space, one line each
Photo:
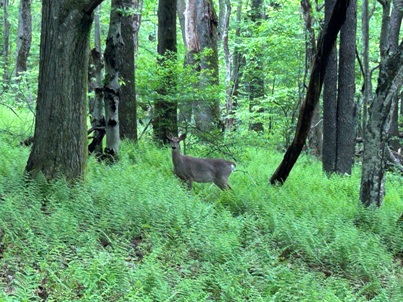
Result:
316,132
324,48
376,134
60,140
24,38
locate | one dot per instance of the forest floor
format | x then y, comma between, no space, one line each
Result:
132,232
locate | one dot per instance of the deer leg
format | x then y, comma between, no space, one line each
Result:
223,185
190,184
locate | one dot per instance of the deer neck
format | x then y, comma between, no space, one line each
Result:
176,155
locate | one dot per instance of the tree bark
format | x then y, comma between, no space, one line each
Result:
128,103
114,62
235,72
255,83
6,43
346,107
95,84
60,140
207,112
324,48
330,104
316,132
367,87
229,104
376,135
24,38
165,112
393,41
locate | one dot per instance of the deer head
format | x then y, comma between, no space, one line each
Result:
193,169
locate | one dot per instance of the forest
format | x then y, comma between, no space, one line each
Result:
201,150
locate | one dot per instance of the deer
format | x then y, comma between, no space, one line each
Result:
204,170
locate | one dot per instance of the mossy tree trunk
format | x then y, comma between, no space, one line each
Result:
376,133
207,111
60,139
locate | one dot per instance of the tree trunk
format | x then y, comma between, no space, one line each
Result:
324,48
60,139
96,85
180,7
255,83
128,103
346,107
393,41
6,43
330,104
376,135
316,132
207,112
235,72
24,38
229,104
367,87
165,112
114,62
187,19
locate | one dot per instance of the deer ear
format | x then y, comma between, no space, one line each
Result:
168,135
182,137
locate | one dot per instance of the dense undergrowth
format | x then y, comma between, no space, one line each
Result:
132,232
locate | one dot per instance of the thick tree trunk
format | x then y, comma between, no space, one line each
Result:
24,38
330,104
165,113
324,48
376,135
207,112
128,103
187,19
346,107
60,139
